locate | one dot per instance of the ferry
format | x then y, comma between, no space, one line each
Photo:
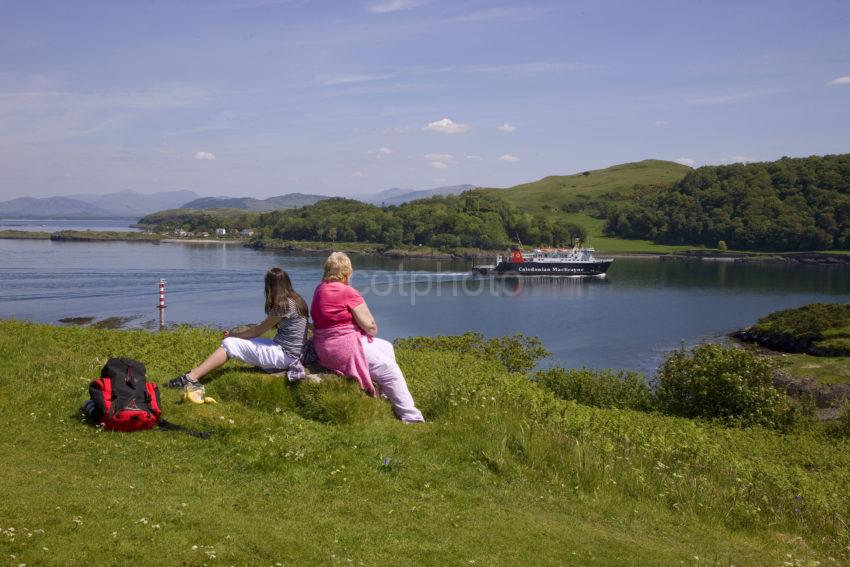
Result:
575,261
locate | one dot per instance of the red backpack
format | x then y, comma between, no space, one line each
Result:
123,399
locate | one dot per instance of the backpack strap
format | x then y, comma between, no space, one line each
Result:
168,426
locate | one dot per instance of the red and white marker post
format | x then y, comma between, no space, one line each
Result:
162,294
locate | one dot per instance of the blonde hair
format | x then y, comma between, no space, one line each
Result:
337,268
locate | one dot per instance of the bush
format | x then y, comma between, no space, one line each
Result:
517,353
602,389
727,384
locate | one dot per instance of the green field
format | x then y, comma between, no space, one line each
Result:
502,474
612,244
825,369
548,195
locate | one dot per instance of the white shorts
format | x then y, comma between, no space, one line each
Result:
264,353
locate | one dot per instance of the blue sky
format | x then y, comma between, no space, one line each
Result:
265,97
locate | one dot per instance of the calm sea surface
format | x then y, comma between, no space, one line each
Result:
644,308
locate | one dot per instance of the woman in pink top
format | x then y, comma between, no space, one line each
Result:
344,339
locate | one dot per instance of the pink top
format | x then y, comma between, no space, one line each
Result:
332,305
336,336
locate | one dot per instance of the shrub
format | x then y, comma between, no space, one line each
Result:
729,384
602,389
722,246
517,353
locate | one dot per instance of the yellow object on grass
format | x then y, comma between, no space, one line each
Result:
195,393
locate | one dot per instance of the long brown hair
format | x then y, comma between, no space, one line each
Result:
279,291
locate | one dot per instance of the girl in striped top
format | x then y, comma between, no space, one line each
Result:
287,311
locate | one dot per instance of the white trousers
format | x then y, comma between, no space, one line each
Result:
264,353
387,376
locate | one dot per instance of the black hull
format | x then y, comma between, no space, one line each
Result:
551,269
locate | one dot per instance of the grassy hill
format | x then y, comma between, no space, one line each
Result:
503,473
551,195
564,198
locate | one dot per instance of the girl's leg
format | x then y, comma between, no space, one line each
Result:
213,361
264,353
386,373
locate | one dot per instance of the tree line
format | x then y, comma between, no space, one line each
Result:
473,219
789,204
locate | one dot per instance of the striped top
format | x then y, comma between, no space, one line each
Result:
291,330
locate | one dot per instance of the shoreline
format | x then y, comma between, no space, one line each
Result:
373,249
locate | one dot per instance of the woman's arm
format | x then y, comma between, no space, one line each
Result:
257,329
363,318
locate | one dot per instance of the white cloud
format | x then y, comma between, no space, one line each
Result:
447,126
392,6
474,158
351,78
661,123
205,156
686,161
439,157
439,165
509,158
385,151
506,128
842,80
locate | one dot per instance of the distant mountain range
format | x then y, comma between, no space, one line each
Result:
288,201
397,196
133,204
127,204
130,204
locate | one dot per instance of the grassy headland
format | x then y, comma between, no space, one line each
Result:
503,473
24,235
104,236
815,338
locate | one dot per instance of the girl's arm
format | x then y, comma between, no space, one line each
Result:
363,318
257,329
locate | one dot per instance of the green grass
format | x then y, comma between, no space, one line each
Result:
825,369
548,195
104,235
24,234
613,244
503,474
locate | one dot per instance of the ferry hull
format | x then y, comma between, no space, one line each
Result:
596,268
